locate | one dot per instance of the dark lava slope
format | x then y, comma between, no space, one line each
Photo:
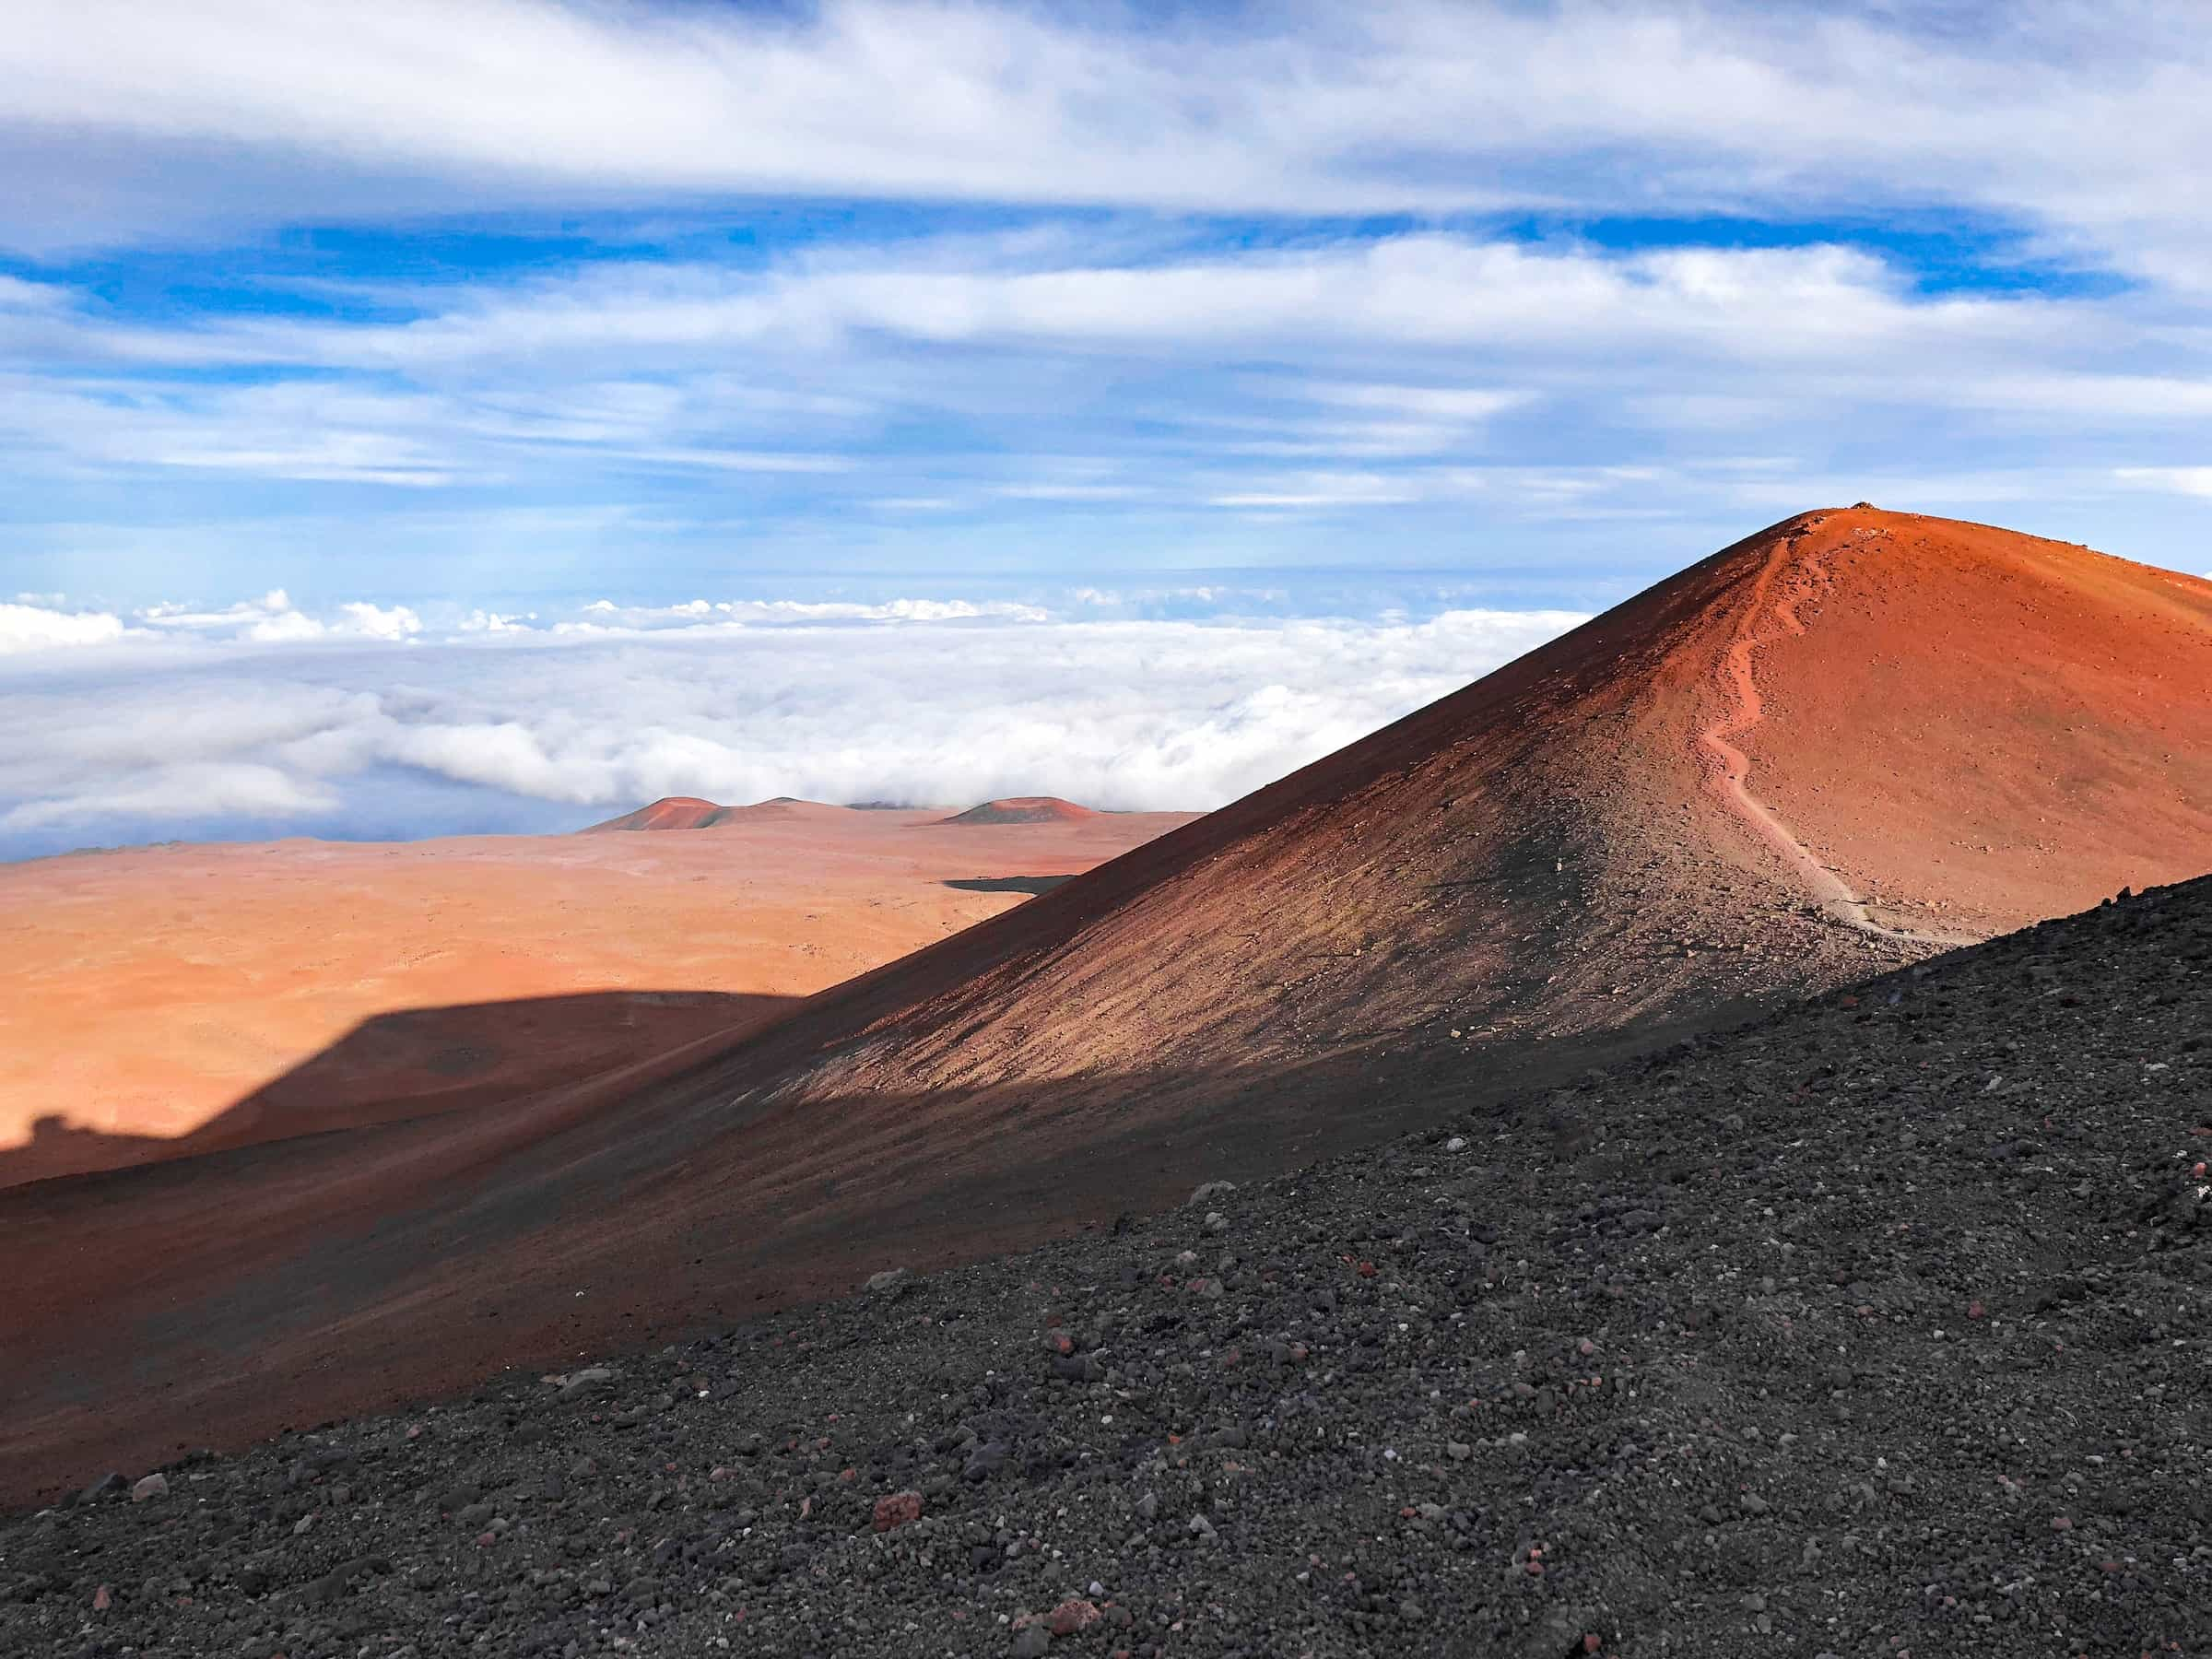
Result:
1880,1327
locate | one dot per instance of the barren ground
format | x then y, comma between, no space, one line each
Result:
172,1000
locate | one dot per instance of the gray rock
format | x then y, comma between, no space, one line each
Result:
984,1462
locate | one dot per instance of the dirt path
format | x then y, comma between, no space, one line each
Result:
1730,780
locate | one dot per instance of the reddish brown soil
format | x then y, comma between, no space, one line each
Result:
175,1000
1611,841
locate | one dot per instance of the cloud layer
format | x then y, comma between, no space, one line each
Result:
243,730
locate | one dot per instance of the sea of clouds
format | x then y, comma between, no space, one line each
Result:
261,719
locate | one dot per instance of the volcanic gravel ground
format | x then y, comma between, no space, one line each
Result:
1880,1327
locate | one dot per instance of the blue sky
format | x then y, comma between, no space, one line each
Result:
1243,315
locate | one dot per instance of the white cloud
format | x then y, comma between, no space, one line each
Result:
300,429
175,614
2090,126
1118,714
1420,289
25,628
287,628
701,615
271,619
484,621
17,295
2180,480
168,792
1765,326
1325,490
914,504
1067,492
395,622
1451,402
1185,382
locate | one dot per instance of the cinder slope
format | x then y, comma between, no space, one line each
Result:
1985,728
1573,858
1779,767
670,812
688,812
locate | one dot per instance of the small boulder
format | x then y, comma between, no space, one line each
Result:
153,1485
896,1511
1071,1614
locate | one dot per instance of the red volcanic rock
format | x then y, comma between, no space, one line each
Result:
896,1511
1026,810
688,812
1821,752
1071,1616
670,812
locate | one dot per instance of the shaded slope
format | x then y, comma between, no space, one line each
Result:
417,1062
1515,884
145,994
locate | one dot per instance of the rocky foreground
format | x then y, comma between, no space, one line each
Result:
1880,1327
